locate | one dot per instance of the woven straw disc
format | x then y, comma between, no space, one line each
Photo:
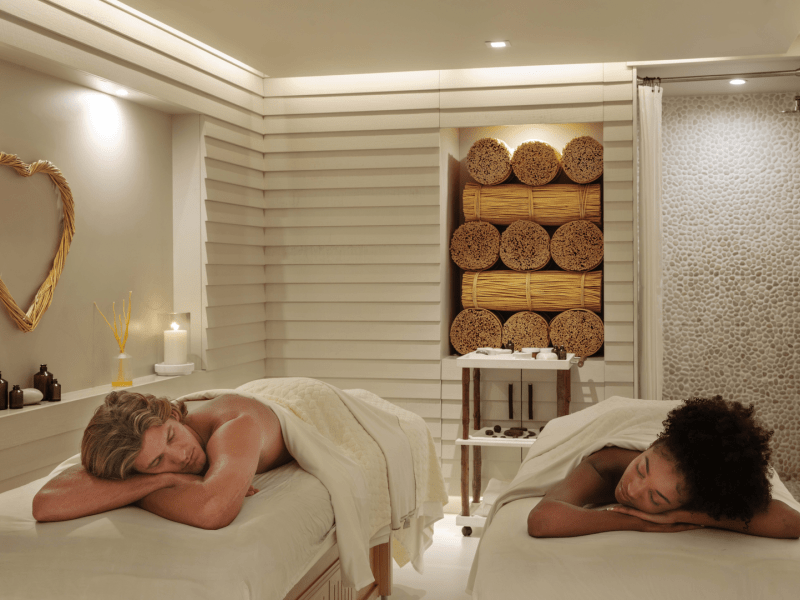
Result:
582,159
525,246
580,331
577,246
526,330
475,246
489,161
535,163
475,328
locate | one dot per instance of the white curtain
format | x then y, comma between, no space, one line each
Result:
651,336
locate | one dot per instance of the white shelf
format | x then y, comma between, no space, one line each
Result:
506,361
475,440
100,390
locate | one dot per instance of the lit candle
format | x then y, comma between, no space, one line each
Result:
175,346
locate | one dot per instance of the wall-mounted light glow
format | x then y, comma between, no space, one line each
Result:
122,93
738,81
503,44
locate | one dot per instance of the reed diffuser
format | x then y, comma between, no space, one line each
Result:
122,361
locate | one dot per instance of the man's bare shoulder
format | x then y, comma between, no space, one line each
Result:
211,416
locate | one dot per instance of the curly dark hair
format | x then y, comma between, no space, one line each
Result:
722,452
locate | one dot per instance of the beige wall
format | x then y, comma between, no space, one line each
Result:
116,157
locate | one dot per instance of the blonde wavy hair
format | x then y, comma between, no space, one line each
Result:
113,438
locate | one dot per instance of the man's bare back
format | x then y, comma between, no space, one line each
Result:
196,469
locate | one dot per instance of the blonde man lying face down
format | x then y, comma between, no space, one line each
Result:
708,468
191,468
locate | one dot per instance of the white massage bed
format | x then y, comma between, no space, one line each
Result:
282,545
693,565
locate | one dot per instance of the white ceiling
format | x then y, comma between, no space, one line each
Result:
328,37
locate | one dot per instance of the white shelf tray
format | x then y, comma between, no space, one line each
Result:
506,361
475,440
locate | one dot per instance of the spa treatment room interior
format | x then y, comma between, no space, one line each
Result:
450,245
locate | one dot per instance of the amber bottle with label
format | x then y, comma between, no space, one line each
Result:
15,398
55,391
42,382
3,393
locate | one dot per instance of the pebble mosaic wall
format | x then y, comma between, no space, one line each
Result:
731,262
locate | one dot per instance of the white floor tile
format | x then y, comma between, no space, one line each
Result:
447,565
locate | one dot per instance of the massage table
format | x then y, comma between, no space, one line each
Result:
697,564
293,540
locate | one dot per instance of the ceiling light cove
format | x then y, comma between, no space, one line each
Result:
738,81
499,44
122,93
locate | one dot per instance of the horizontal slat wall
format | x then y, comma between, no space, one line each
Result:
353,235
235,227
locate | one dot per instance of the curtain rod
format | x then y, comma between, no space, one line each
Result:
688,78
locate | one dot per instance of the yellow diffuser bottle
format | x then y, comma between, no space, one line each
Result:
122,362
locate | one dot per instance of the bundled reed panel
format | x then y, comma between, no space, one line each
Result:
582,159
535,163
553,204
526,330
475,246
576,246
524,246
475,328
489,161
580,331
544,291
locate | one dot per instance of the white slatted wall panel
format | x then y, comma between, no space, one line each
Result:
235,275
353,235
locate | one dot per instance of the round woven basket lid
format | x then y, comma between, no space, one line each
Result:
577,246
535,163
578,330
526,330
475,245
525,246
475,328
582,159
489,161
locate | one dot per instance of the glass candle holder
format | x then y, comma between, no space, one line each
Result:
177,329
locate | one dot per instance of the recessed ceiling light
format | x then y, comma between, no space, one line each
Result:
502,44
122,93
738,81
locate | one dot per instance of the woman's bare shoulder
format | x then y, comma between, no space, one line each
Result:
611,461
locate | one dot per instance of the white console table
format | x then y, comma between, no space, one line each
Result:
475,362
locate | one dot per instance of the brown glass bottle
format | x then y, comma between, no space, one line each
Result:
42,382
55,391
15,398
3,393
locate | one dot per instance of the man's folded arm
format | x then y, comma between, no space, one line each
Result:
75,493
214,501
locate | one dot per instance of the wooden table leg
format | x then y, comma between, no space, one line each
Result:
476,450
465,449
563,392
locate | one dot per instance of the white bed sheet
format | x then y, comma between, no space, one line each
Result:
702,564
130,553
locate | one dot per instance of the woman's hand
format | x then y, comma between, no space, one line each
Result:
251,491
669,517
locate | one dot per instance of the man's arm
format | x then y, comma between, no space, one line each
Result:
778,521
561,512
74,493
214,501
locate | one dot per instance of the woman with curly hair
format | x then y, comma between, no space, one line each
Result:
708,468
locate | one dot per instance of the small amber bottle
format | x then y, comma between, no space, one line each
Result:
55,391
42,382
3,393
15,398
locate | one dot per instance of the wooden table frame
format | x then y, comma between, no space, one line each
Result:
470,362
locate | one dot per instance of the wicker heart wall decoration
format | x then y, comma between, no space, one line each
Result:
27,321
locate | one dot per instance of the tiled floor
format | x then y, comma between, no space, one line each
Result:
447,565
